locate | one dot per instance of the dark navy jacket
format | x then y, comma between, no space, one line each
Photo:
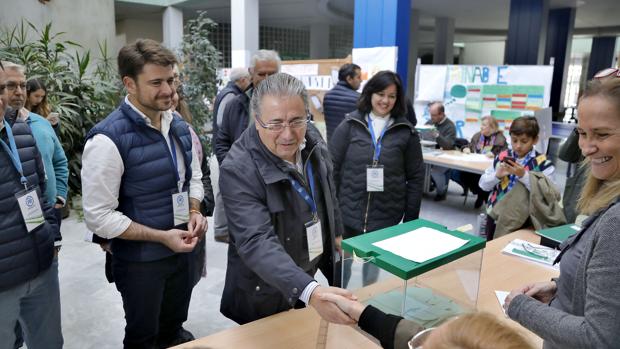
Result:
231,87
338,102
149,178
23,255
236,120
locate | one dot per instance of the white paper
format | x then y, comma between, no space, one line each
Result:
421,244
501,298
467,157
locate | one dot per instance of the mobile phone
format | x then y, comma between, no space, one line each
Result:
508,158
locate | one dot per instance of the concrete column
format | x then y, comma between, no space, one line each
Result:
444,41
527,32
173,27
319,41
414,30
244,31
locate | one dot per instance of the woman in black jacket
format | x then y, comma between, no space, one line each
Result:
378,165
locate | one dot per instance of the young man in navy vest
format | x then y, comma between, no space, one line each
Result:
141,187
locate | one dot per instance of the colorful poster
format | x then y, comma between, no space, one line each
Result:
470,92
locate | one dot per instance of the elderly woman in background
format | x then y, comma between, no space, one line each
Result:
580,308
489,141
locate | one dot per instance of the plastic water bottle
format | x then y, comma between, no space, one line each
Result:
481,224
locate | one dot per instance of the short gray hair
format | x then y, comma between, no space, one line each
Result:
238,73
265,55
13,66
278,85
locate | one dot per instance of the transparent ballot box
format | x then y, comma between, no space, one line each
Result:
419,270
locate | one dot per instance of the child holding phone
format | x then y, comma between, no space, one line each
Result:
512,165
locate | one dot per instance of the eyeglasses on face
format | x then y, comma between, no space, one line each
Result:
279,126
607,72
12,86
2,87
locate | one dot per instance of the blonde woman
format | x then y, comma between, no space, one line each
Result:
580,309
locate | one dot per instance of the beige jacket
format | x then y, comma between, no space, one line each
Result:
541,205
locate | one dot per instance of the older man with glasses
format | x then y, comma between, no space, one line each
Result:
283,216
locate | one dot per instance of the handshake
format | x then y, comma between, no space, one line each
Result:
336,305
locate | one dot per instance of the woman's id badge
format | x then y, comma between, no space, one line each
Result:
374,178
30,207
180,205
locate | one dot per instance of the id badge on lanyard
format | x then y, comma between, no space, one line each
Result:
374,178
180,200
374,172
30,207
314,234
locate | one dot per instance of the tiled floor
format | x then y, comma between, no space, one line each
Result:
92,314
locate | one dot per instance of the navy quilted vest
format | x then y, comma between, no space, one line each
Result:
149,177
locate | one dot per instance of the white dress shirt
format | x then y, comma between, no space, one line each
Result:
102,171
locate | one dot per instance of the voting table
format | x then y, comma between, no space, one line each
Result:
453,159
299,328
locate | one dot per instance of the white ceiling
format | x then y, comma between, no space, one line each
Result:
468,14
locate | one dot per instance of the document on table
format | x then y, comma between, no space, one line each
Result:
501,298
467,157
533,252
421,244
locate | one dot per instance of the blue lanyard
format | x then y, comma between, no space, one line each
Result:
173,150
308,198
376,143
14,154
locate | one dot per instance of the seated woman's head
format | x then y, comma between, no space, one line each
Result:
599,139
383,95
476,331
523,135
488,125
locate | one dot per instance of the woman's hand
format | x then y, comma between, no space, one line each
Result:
466,150
541,291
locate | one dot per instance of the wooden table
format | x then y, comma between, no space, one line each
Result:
299,328
464,164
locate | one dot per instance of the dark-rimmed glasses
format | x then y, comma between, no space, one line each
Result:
607,72
280,126
12,86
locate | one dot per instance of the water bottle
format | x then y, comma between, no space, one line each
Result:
481,224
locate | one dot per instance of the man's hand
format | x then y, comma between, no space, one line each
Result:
466,150
197,225
351,307
179,240
328,310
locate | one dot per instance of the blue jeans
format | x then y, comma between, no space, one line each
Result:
36,305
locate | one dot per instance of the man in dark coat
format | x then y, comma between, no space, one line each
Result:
342,99
236,116
283,215
29,290
445,136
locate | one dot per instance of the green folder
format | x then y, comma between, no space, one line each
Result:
560,233
403,268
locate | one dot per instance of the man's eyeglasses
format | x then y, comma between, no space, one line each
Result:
607,72
279,126
12,86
